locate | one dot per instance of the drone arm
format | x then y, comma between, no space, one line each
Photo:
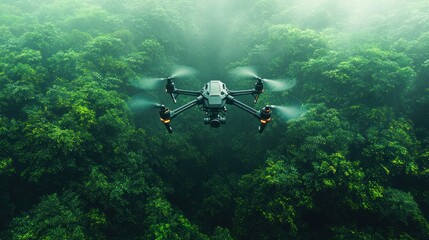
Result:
167,114
235,102
259,88
242,92
187,92
264,115
187,106
176,92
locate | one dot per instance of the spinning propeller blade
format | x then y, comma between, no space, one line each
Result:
273,85
287,112
245,72
139,103
183,71
279,84
148,83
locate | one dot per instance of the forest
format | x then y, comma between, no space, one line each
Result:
78,162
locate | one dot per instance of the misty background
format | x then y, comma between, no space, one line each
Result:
344,157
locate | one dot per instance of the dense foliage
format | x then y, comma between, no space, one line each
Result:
77,163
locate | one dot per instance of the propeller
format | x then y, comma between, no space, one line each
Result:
273,85
148,83
183,71
245,72
288,112
139,103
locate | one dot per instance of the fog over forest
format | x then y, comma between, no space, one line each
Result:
84,155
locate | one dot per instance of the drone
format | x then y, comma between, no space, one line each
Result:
212,99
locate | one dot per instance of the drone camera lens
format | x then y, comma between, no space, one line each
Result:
215,123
